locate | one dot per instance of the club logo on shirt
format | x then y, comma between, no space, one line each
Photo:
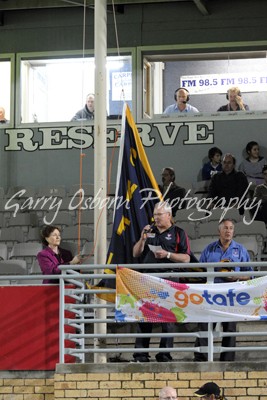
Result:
169,236
235,253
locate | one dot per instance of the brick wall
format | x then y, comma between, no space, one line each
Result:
240,381
26,388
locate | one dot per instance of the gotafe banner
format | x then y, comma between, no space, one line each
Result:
144,298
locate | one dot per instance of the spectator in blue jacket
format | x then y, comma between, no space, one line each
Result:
214,165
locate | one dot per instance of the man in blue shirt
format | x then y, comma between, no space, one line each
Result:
224,250
181,97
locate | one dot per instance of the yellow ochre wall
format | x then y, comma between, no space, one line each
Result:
136,384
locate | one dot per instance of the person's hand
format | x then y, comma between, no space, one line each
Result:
161,254
76,260
145,230
239,101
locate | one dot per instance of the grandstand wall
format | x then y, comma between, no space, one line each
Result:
136,381
30,155
233,26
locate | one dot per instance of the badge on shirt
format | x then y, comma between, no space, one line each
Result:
169,236
150,235
235,253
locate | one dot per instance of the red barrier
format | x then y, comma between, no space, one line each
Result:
29,333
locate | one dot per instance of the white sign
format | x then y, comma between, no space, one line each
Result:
220,83
121,82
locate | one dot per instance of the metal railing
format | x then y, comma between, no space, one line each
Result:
89,313
96,315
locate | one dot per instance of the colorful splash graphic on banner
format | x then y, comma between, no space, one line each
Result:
144,298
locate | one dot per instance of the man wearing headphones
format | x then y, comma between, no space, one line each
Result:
235,101
181,96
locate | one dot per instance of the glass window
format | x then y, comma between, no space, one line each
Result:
5,91
55,89
207,77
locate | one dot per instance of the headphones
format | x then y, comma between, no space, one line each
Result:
238,93
175,93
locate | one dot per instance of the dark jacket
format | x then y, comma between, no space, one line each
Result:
174,196
84,113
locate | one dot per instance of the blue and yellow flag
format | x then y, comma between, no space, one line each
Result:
136,194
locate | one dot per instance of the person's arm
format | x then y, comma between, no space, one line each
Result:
68,258
48,263
240,103
245,258
242,183
182,255
213,190
206,172
75,260
242,167
79,115
258,193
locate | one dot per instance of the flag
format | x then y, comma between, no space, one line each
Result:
137,193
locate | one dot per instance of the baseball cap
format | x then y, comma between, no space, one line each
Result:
208,389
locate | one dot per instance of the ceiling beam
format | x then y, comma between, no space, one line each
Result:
201,5
35,4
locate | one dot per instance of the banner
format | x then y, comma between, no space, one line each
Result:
144,298
220,83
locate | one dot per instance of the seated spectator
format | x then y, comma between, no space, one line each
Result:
260,193
229,183
235,101
3,119
181,97
53,255
88,111
171,192
214,165
253,164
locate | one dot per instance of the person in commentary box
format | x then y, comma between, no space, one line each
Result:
181,97
235,101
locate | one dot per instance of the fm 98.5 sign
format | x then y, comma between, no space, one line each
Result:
220,83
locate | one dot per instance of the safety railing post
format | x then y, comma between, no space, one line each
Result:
61,319
210,341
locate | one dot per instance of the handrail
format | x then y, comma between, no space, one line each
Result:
85,313
86,317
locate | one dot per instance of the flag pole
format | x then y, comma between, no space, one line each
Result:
100,158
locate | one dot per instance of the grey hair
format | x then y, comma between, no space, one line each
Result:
163,391
225,220
165,205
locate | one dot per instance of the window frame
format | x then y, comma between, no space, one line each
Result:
22,57
10,58
187,51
